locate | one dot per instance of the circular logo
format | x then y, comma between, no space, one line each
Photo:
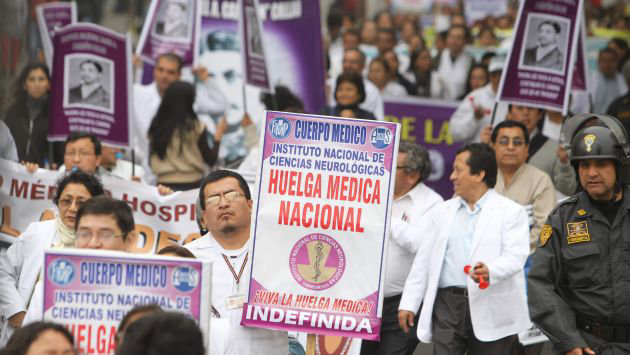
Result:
185,278
317,261
381,137
279,127
61,272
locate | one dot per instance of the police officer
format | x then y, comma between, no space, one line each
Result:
579,283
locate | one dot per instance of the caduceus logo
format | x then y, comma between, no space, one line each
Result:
317,261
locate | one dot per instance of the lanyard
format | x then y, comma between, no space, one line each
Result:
240,273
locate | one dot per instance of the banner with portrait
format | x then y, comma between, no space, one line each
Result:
160,220
540,64
51,17
171,26
323,208
91,84
426,122
253,53
580,80
89,292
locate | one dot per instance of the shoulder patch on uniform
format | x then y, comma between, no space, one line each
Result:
577,232
581,212
545,234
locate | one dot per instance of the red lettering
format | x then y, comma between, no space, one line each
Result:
101,342
17,190
283,217
337,218
51,191
133,203
359,229
273,181
165,213
148,208
80,338
306,222
37,191
295,217
90,346
179,210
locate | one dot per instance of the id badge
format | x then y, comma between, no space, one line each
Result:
235,301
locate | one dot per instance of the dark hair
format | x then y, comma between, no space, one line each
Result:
414,56
91,183
175,115
96,64
18,92
352,32
509,124
621,43
383,62
177,250
173,58
361,54
105,205
553,24
334,18
470,71
282,99
607,50
488,55
23,337
487,29
75,136
162,333
145,308
481,158
220,175
355,79
418,159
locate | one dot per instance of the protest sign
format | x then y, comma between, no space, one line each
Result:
50,17
160,220
581,78
253,43
476,10
322,210
426,122
89,291
171,26
540,64
91,84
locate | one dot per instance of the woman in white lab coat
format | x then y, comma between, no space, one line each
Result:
21,265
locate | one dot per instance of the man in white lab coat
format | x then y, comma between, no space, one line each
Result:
486,231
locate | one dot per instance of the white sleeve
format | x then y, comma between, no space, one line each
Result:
514,246
11,262
209,99
35,310
463,123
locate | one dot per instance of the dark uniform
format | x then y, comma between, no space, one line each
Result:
579,283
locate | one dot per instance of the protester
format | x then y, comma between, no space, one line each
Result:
426,81
83,152
392,60
226,201
27,117
112,161
581,263
520,181
454,63
21,264
133,315
40,338
381,75
544,153
607,83
482,229
412,200
179,148
475,113
620,108
163,333
349,95
621,47
478,77
102,223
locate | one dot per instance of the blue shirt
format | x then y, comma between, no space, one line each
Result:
459,243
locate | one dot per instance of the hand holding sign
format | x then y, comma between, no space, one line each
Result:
479,274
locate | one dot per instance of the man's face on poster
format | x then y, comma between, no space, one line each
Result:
547,35
175,12
89,73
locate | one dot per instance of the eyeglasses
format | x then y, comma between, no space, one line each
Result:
104,236
67,202
505,141
228,196
82,154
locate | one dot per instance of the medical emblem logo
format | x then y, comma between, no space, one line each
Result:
185,278
317,261
61,272
381,137
589,139
279,127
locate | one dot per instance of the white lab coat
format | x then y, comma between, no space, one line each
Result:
464,126
373,100
455,74
19,268
501,241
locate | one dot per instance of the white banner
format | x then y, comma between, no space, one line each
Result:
160,220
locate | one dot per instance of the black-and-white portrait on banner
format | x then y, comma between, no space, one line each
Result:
88,82
545,44
174,20
254,37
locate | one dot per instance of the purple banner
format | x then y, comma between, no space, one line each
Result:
91,84
580,76
426,122
89,292
253,53
50,17
171,26
540,64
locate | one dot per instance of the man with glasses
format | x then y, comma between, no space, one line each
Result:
519,181
21,264
226,203
412,200
101,223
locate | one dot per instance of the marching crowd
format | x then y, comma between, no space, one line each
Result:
563,266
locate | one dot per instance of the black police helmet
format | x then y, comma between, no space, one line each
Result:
596,142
